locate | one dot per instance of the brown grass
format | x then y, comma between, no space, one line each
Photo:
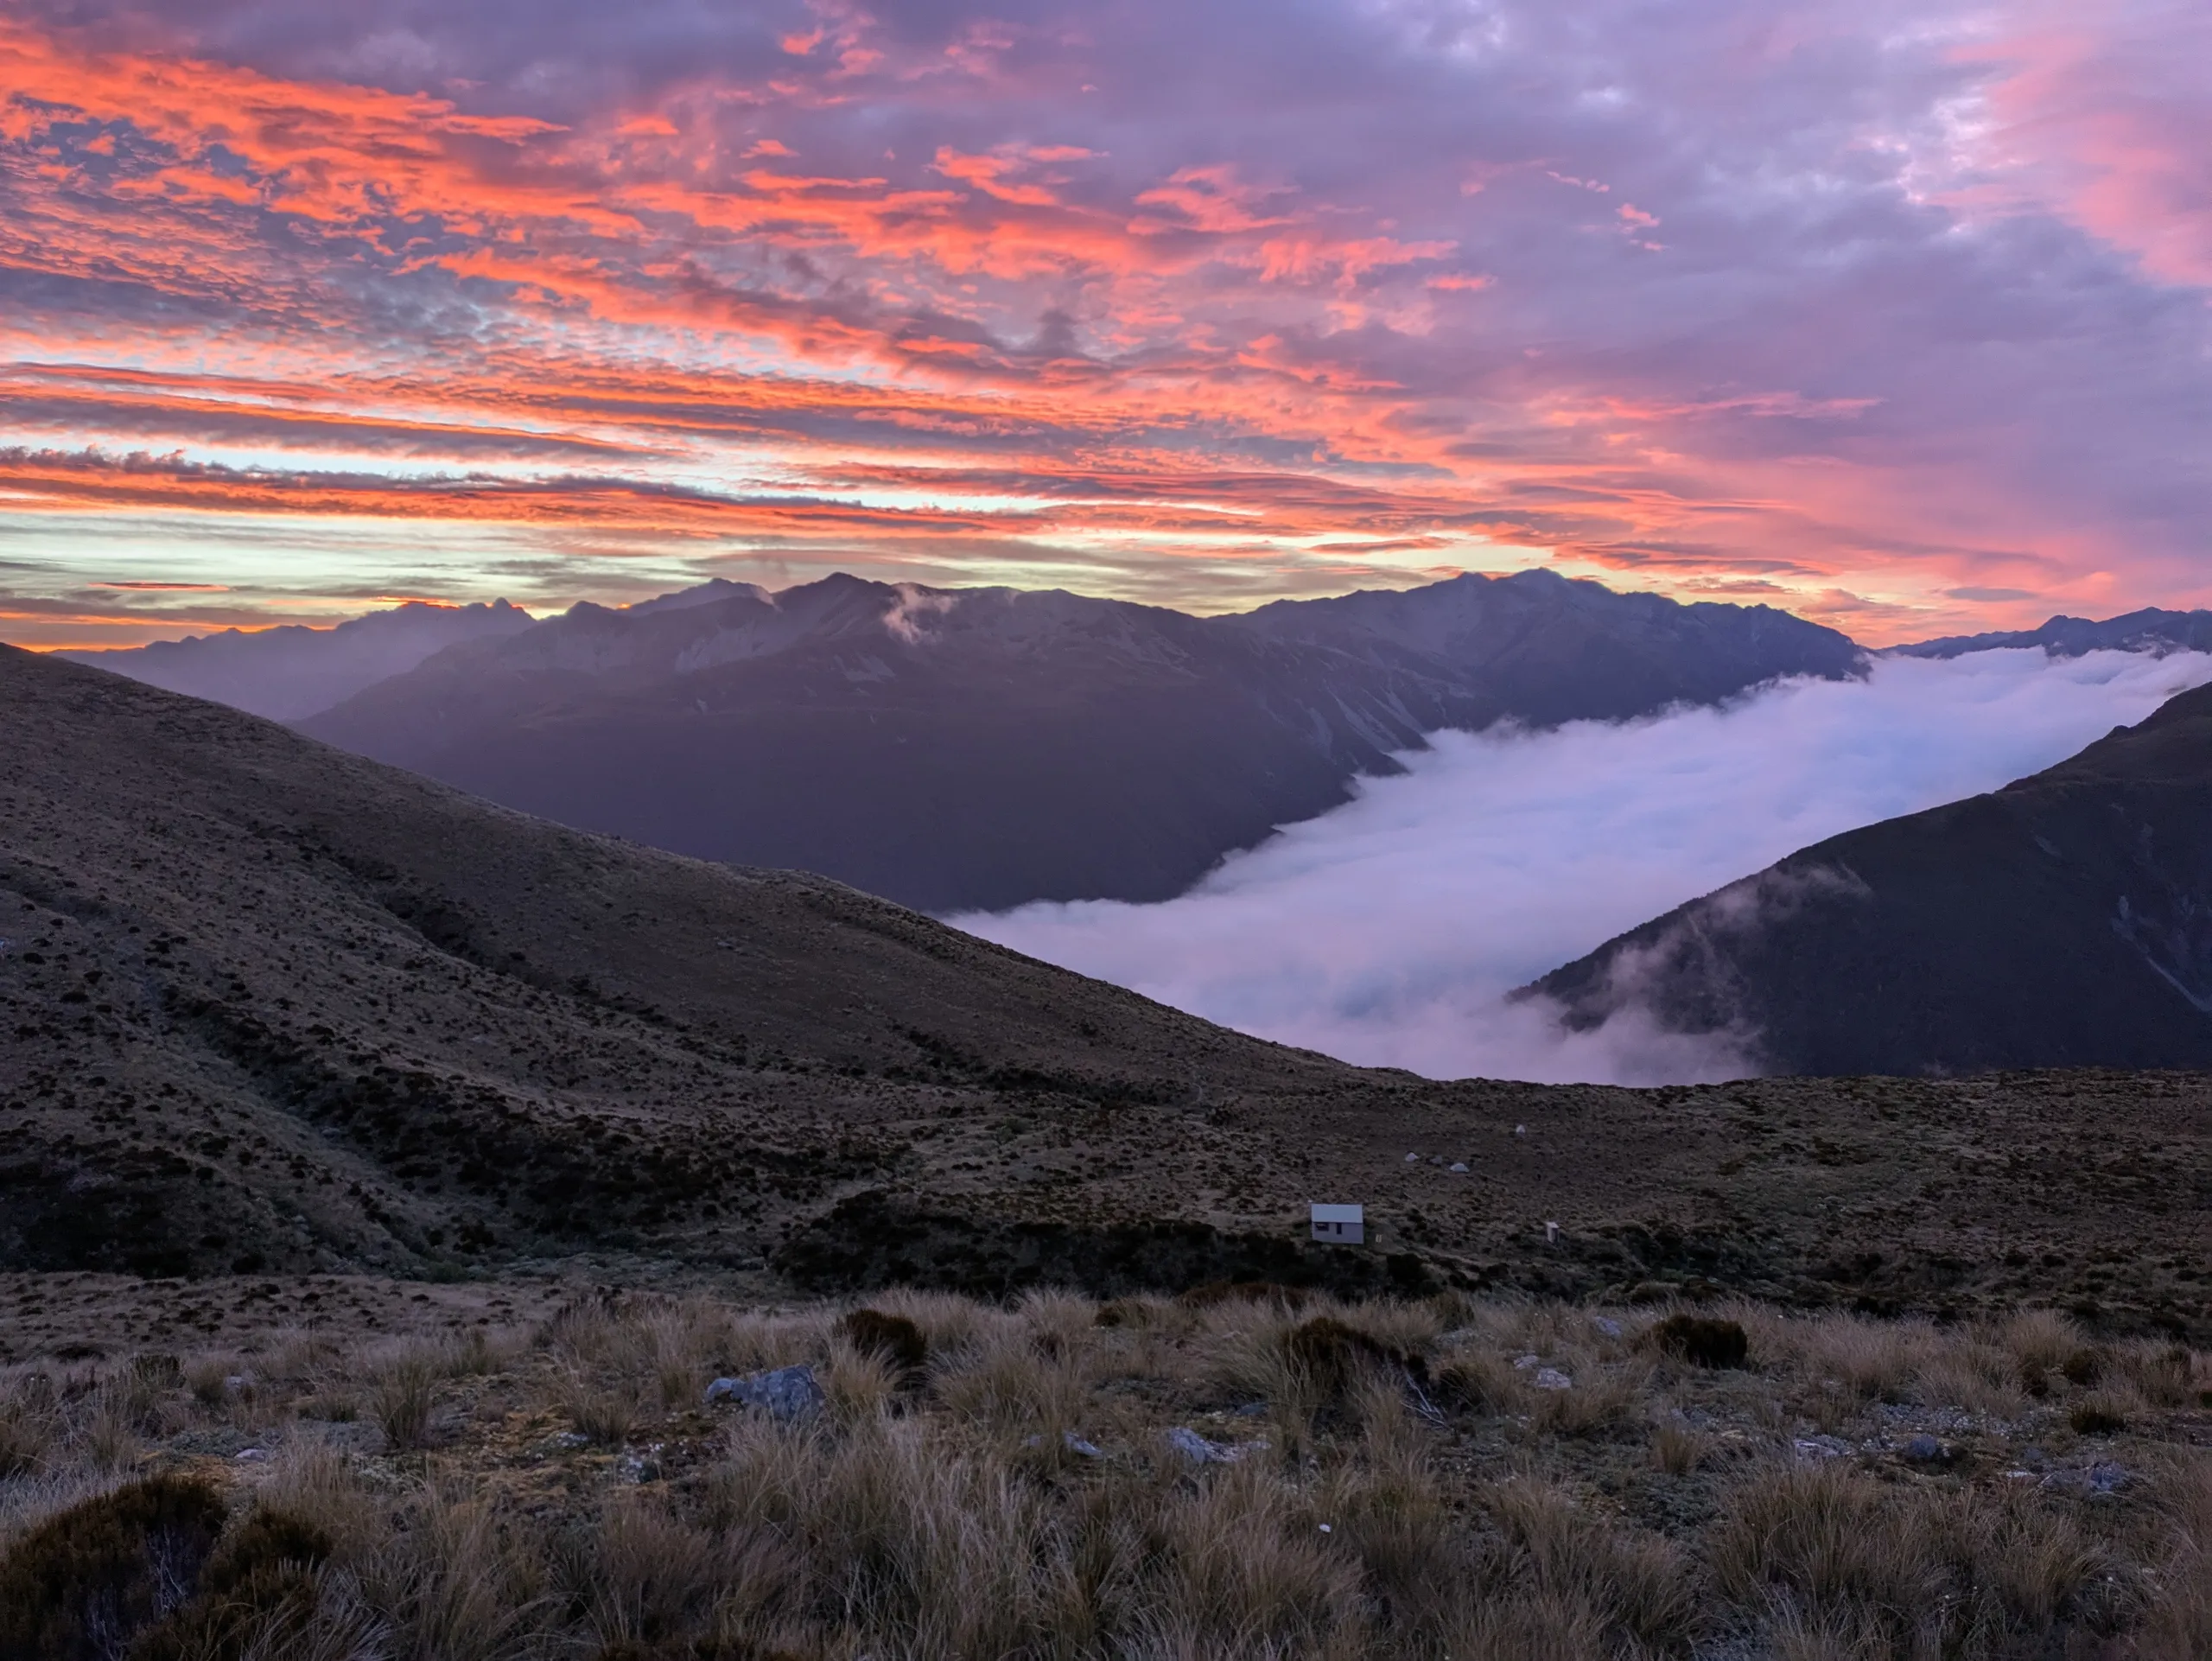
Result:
1403,1487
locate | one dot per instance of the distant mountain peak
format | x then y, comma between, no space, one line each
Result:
294,670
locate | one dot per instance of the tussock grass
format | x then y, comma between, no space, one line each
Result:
997,1481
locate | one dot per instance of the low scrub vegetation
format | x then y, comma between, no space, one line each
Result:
1238,1474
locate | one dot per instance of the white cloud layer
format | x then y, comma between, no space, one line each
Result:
1388,932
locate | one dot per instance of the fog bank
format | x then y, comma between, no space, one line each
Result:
1387,931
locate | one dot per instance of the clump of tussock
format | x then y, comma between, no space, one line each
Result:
603,1410
1703,1341
1677,1446
896,1340
402,1394
1636,1586
82,1584
1286,1300
259,1591
2106,1413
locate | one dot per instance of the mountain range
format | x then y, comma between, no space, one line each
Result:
963,749
270,1007
977,749
2149,630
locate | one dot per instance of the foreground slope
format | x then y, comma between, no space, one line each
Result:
269,1006
973,749
2064,920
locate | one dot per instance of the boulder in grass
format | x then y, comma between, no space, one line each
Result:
784,1394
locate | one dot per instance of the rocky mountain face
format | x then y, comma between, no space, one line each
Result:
266,1007
289,672
978,748
2150,630
2064,920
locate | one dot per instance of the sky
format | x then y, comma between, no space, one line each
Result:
1389,931
1891,313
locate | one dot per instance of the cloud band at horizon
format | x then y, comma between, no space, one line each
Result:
1388,932
1891,315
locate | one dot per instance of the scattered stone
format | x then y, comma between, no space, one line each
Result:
1520,1130
1252,1410
1326,1528
1412,1159
1553,1378
1196,1449
784,1394
1816,1448
572,1439
1551,1233
1461,1167
1079,1445
1924,1449
1701,1341
1606,1325
2106,1479
252,1456
1521,1364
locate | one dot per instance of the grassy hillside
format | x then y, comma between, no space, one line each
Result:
272,1007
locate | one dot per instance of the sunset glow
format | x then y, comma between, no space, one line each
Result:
1893,316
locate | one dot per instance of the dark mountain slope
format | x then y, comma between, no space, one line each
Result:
2149,630
267,1006
978,748
2065,920
248,976
289,672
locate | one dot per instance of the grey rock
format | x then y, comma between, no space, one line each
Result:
1461,1167
1080,1445
1607,1325
1196,1449
1815,1449
1923,1449
784,1394
1553,1378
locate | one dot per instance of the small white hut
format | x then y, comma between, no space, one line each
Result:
1340,1225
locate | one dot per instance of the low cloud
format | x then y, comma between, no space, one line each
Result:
1389,932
